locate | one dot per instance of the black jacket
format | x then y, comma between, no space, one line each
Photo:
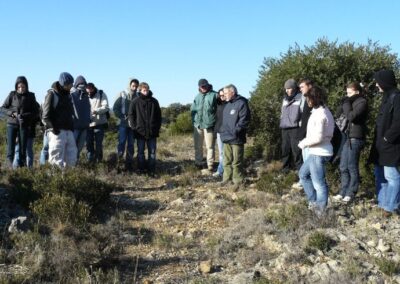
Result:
355,109
220,113
57,109
236,119
145,116
385,150
24,105
305,115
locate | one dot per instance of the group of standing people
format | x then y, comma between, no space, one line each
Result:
223,116
74,114
308,128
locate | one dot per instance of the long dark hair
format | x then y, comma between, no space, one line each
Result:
316,96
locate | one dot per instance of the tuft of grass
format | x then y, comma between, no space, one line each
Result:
276,183
289,217
387,266
320,241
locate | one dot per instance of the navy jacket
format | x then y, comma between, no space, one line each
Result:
235,121
81,104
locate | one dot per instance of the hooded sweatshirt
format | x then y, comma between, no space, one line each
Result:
121,105
22,105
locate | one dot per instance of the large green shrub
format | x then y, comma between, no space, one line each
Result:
331,65
182,125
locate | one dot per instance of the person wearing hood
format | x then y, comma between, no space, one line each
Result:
236,118
204,112
289,124
20,107
145,120
385,150
125,133
58,120
98,117
81,105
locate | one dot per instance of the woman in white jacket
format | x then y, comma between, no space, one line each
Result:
318,141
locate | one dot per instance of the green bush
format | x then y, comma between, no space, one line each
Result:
331,65
182,125
276,183
53,195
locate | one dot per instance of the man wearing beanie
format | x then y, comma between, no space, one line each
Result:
58,120
81,105
204,111
385,150
289,123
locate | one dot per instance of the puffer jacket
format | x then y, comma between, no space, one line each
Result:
24,105
291,111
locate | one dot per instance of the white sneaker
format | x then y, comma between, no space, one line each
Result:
338,197
216,174
297,185
347,199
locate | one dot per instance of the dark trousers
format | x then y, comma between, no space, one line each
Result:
291,153
94,143
151,154
349,173
14,131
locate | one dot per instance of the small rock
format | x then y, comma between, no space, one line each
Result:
205,267
147,281
382,246
177,202
19,224
377,226
371,243
286,197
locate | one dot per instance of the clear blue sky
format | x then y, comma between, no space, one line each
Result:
172,44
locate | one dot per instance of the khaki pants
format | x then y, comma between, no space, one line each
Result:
233,163
200,136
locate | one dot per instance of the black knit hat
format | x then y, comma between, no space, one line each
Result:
386,79
203,83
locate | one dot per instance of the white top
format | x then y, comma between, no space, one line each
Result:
320,128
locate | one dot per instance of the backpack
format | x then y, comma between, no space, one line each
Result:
101,97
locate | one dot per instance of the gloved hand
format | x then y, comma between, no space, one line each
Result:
20,119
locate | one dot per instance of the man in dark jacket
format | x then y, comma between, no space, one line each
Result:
145,119
235,121
81,104
58,120
289,124
385,151
20,108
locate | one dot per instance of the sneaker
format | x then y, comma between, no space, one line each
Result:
338,197
297,185
216,174
346,199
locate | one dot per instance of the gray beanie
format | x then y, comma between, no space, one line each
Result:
290,84
65,79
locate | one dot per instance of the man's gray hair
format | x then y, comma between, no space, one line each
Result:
231,88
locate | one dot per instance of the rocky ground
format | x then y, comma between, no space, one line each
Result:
182,227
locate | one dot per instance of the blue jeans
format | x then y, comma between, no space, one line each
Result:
29,154
151,150
14,132
94,143
387,180
80,138
305,154
220,144
349,169
44,154
125,137
312,177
